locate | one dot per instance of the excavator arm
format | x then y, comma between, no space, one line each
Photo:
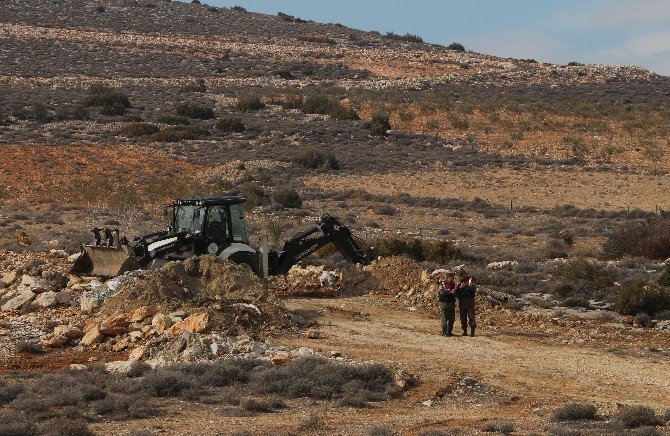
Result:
328,231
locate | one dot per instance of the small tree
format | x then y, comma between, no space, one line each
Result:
456,46
250,103
379,124
313,158
231,124
190,110
288,198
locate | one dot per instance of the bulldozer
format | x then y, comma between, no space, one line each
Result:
214,225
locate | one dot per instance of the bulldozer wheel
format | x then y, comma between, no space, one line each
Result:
246,259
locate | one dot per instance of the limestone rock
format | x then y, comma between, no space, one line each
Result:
196,323
142,313
8,278
88,304
92,337
22,299
44,300
138,353
54,341
70,332
119,366
161,323
35,284
114,325
64,297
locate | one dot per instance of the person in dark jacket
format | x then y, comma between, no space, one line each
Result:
465,291
447,298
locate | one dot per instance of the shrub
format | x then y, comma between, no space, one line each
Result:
29,347
190,110
311,157
230,124
637,416
9,391
250,103
113,109
663,314
457,46
504,427
312,422
379,124
255,404
100,9
238,8
73,113
644,320
380,431
386,209
575,411
639,297
255,195
324,105
288,198
108,97
197,86
173,120
649,239
138,129
417,249
179,133
408,37
586,275
664,279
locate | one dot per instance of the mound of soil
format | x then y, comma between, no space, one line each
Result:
390,275
231,294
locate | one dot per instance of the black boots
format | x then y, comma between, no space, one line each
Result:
465,332
472,331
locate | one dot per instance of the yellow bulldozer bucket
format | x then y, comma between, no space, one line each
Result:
105,261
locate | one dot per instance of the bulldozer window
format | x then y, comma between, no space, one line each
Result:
239,226
189,218
217,224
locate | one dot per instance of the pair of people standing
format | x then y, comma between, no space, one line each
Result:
463,290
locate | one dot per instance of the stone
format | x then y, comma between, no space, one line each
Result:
114,325
280,360
44,300
258,348
77,367
505,264
54,341
121,344
88,304
142,313
24,298
161,322
192,351
135,335
35,284
70,332
196,323
92,337
328,278
313,334
304,351
64,297
119,366
89,325
138,353
8,278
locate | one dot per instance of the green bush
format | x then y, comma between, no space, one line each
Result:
173,120
107,96
650,239
231,124
288,198
190,110
255,195
457,46
638,416
379,124
113,110
314,158
408,37
415,248
639,297
586,276
178,133
324,105
138,129
575,411
250,103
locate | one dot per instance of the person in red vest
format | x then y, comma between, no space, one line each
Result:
447,299
465,291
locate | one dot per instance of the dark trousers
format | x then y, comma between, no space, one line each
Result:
466,310
447,316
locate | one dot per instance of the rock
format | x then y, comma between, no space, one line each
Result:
22,299
89,325
428,403
328,278
335,353
505,264
142,313
68,331
114,325
8,278
161,323
54,341
313,334
44,300
258,348
135,327
196,323
3,332
77,367
75,256
64,297
35,284
55,279
119,366
121,344
135,335
92,337
88,304
138,353
304,351
280,360
192,351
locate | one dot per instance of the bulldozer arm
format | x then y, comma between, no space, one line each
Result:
105,261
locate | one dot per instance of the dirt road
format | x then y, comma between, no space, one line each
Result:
521,376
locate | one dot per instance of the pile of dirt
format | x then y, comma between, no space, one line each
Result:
229,293
390,275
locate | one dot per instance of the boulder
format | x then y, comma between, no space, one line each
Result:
142,313
161,323
55,279
121,344
24,298
8,278
88,304
35,284
54,341
138,353
92,337
114,325
280,360
119,366
64,297
44,300
196,323
90,325
70,332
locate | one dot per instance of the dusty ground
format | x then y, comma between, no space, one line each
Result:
520,377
